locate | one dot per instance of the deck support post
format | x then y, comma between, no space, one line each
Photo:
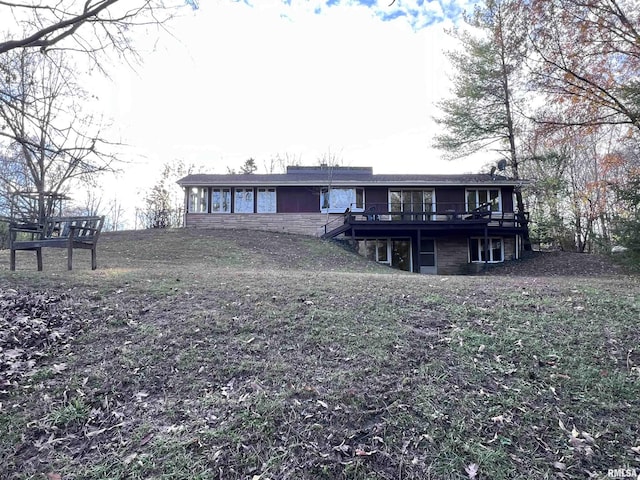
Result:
486,248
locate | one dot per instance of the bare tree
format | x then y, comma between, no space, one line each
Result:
114,220
92,26
280,162
90,205
164,202
47,139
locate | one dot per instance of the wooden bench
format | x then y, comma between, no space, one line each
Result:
56,232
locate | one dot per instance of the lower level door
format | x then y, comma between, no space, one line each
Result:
401,254
428,256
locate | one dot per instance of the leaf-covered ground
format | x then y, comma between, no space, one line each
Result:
203,354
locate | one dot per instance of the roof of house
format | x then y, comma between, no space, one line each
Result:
340,176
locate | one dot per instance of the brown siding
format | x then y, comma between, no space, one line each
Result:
450,198
507,199
298,199
377,197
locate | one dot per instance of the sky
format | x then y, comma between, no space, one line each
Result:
232,80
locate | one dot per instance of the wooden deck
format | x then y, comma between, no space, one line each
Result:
390,223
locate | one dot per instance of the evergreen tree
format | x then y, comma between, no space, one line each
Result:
483,111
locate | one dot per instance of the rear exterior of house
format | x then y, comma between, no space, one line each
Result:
438,224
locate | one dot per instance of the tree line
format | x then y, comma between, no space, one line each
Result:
552,87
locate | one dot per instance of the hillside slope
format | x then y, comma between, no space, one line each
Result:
201,354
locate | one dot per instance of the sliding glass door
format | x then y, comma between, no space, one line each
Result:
411,205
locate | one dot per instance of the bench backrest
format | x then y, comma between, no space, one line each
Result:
85,228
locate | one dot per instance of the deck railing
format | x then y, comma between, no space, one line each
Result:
453,214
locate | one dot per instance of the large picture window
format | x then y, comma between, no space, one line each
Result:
243,200
337,200
220,200
409,202
495,250
266,200
198,200
487,198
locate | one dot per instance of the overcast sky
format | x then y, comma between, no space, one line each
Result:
300,77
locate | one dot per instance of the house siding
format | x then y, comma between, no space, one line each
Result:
376,197
299,223
453,255
298,199
450,198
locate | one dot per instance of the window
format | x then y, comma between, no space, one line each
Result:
375,249
220,200
411,201
489,198
243,200
337,200
198,200
393,252
266,200
495,250
427,252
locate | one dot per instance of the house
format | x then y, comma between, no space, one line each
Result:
441,224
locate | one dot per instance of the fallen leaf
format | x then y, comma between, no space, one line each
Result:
559,465
472,470
498,419
59,367
145,439
562,427
140,395
54,476
588,438
363,453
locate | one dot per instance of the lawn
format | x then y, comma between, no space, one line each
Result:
239,355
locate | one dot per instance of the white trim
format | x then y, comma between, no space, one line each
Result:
273,205
201,193
389,241
352,204
486,189
481,249
222,210
431,190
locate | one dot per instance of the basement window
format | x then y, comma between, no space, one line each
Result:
495,250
